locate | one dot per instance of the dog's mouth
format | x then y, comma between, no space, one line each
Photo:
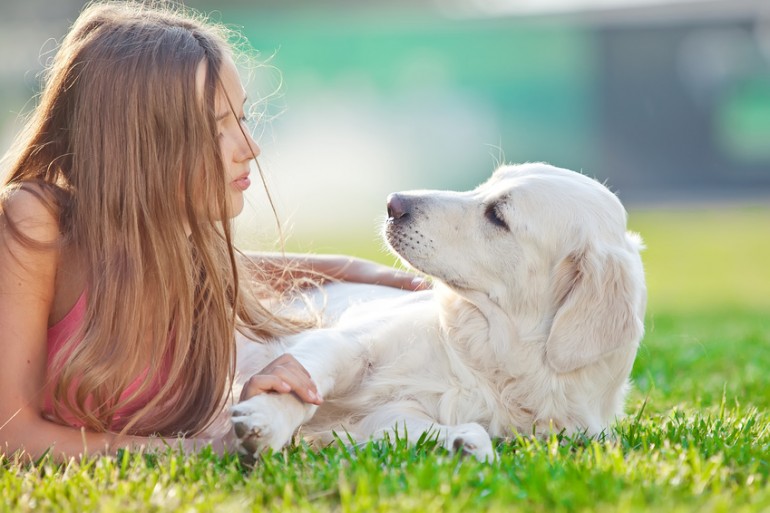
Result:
417,251
407,241
395,238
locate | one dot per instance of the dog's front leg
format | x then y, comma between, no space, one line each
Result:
269,420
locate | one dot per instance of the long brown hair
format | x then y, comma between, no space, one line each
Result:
124,149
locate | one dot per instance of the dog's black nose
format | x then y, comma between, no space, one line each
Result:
398,206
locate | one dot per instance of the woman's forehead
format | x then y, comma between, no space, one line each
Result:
230,84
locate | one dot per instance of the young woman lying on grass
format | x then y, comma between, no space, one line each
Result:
120,288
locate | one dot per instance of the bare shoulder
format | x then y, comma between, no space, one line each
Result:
29,258
31,213
29,235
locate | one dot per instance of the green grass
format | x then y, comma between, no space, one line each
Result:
697,437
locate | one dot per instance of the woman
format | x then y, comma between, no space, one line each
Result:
120,288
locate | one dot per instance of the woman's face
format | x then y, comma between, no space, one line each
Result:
235,142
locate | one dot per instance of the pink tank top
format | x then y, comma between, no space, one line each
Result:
58,334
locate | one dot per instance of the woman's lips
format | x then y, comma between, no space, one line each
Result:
242,183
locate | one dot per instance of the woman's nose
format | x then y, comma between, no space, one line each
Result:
249,149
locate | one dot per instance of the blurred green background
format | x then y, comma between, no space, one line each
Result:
667,103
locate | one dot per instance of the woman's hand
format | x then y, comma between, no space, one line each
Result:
283,375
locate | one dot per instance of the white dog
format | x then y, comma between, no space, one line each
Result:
533,324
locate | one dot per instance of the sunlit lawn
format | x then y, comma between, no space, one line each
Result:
697,438
706,259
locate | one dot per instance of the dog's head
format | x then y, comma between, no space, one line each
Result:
543,243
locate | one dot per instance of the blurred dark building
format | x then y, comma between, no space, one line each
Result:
685,101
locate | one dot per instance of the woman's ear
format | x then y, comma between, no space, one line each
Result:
601,298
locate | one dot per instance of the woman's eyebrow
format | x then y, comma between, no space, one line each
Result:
222,116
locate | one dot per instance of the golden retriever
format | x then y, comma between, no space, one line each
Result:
532,326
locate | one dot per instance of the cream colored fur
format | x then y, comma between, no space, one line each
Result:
533,324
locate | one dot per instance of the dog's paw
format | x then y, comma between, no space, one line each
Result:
470,440
265,421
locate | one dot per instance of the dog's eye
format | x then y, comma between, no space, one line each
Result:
493,216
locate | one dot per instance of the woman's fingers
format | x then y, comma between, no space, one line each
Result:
408,281
400,280
261,383
284,374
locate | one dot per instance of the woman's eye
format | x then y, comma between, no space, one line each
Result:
493,216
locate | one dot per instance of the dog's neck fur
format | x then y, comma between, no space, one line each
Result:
506,330
489,324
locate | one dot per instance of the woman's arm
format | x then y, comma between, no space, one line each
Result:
285,374
285,269
26,431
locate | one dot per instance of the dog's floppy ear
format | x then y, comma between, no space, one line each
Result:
601,304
